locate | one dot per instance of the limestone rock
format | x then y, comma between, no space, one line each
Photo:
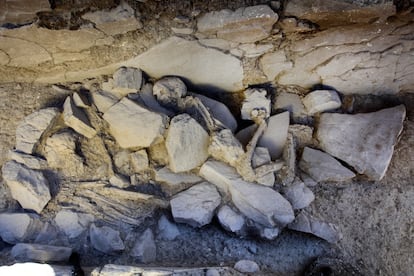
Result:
127,80
196,205
292,103
145,249
73,224
119,181
30,161
225,147
298,195
20,12
245,25
274,137
80,100
158,153
247,266
261,157
175,182
16,227
251,50
31,129
139,161
323,167
77,119
40,253
364,141
218,43
187,143
321,100
255,105
274,64
29,187
103,100
182,31
127,120
147,98
122,162
270,233
230,220
167,230
105,239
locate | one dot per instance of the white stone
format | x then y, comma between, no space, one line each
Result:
105,239
40,252
230,220
247,266
274,137
298,195
16,227
321,100
196,205
220,174
252,50
30,161
166,176
127,120
187,144
167,230
274,64
31,129
77,119
127,80
139,161
364,141
103,100
168,90
261,157
29,187
119,181
71,223
217,70
292,103
144,248
323,167
255,105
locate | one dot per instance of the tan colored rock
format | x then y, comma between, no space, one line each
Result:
274,64
139,161
321,100
21,11
77,119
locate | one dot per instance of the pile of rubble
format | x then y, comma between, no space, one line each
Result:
122,148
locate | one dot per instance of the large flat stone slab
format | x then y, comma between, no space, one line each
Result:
364,141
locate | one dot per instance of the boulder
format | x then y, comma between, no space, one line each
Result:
29,187
247,266
299,195
17,227
230,220
31,129
167,230
40,252
127,80
321,100
187,144
323,167
73,224
76,118
105,239
364,141
144,248
196,205
255,104
126,121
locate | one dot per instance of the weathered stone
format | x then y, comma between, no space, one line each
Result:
139,161
158,153
255,105
127,80
73,224
40,252
29,187
79,100
219,71
302,135
323,167
304,222
77,119
196,205
245,25
298,195
16,227
105,239
252,50
31,129
225,147
175,182
103,100
21,12
218,43
169,90
274,137
364,141
48,234
321,100
127,120
292,103
147,98
182,31
119,181
167,230
261,157
145,249
30,161
270,233
187,144
247,266
274,64
288,172
230,220
122,162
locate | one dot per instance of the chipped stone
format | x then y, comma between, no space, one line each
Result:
127,80
230,220
225,147
182,31
167,230
147,98
77,119
79,100
292,103
261,157
169,90
321,100
73,224
175,181
218,43
298,195
255,105
105,239
139,161
30,161
103,100
40,252
274,137
145,249
247,266
119,181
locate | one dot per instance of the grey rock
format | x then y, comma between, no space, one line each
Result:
187,144
364,141
30,161
167,230
309,181
122,162
274,64
127,120
270,233
299,195
16,227
31,129
77,119
321,100
145,249
40,252
229,219
139,161
79,100
147,97
48,234
105,239
292,103
251,50
212,272
247,266
73,224
29,187
255,105
182,31
169,90
103,100
261,157
173,183
274,137
218,43
127,80
196,205
119,181
323,167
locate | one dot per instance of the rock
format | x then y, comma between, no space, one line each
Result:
41,253
364,141
304,222
77,119
80,100
48,234
323,167
119,181
270,233
29,187
321,100
182,31
292,103
220,174
255,105
122,162
274,137
158,153
147,98
298,195
219,71
145,249
302,135
212,272
252,50
230,220
261,157
127,80
247,266
30,161
196,205
31,129
274,64
308,180
17,227
139,161
127,120
218,43
167,230
225,147
38,269
169,90
105,239
245,25
103,100
73,224
175,182
21,12
187,144
288,172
